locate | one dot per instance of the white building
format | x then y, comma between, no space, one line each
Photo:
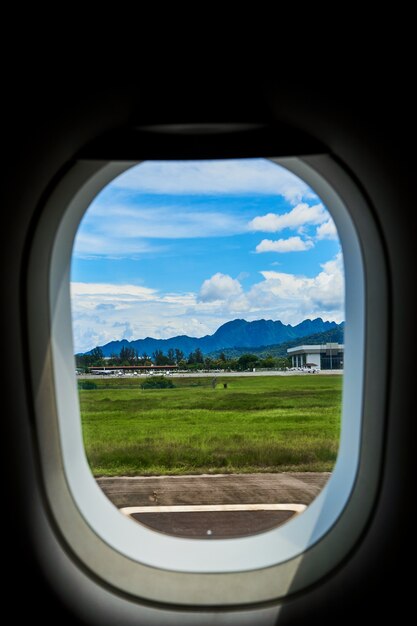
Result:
328,356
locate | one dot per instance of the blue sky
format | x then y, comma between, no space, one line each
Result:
175,247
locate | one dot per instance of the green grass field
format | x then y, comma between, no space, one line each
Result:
257,424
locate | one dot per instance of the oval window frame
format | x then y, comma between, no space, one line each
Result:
167,569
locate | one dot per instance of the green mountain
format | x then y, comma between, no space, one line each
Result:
248,335
335,335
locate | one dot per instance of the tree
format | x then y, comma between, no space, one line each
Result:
179,355
196,357
283,362
171,356
146,359
158,382
97,356
128,356
268,362
247,361
114,359
81,361
232,365
159,358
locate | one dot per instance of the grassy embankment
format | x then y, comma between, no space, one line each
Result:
257,424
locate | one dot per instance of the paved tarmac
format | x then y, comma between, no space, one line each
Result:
268,488
213,525
220,489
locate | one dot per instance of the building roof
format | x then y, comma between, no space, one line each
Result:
316,348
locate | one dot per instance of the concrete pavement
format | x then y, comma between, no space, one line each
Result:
214,506
268,488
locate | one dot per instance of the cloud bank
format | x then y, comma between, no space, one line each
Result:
104,312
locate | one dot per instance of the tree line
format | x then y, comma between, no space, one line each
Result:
196,360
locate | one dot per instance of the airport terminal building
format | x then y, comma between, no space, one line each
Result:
328,356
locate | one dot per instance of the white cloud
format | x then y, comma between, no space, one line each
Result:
100,293
327,230
295,296
139,312
126,327
120,223
220,287
123,232
173,222
292,244
89,245
299,216
104,312
230,176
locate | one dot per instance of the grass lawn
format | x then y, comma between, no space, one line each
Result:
257,424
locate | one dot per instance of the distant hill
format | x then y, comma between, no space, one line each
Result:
335,335
237,333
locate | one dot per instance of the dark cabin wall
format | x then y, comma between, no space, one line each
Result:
366,127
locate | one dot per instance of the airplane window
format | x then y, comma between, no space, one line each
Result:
208,418
208,325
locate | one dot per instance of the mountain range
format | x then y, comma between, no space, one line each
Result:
234,334
334,335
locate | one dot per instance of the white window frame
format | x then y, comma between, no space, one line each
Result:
138,561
